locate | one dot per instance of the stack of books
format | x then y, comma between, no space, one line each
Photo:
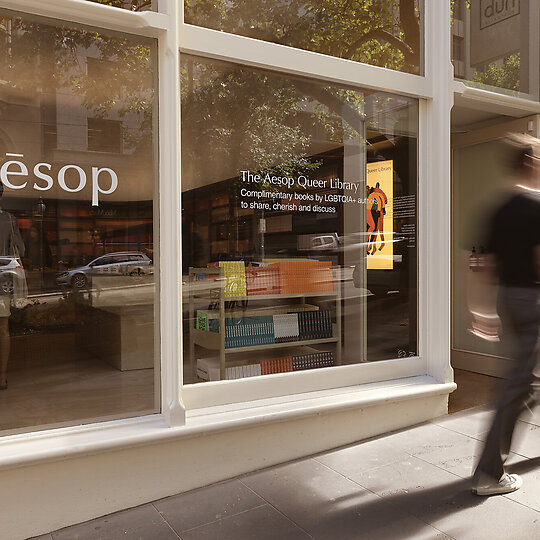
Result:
312,361
305,277
276,365
314,324
208,368
286,327
249,331
270,329
207,320
284,277
234,273
262,280
297,363
239,372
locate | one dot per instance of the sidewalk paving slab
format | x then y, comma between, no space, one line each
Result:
413,483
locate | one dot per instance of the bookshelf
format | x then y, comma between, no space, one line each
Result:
207,288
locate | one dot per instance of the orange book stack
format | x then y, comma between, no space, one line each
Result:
303,277
276,365
262,280
322,277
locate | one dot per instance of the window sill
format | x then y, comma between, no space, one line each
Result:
66,443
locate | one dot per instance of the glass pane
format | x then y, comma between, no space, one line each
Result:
298,222
385,33
496,45
76,166
132,5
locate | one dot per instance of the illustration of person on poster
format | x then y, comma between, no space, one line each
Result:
378,207
377,201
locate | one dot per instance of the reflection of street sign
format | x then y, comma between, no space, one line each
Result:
494,11
495,30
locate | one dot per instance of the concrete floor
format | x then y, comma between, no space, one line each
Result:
473,390
409,484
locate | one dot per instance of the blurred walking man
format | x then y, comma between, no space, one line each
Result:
514,249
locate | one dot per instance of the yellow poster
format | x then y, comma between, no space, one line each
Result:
379,215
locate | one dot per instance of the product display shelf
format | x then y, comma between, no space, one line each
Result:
211,288
274,296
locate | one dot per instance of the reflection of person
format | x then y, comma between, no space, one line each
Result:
11,245
514,250
38,252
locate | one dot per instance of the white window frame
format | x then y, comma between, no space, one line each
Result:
434,91
434,94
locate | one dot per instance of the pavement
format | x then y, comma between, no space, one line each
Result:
414,483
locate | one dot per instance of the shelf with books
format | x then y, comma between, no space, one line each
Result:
229,325
212,341
271,296
282,344
307,358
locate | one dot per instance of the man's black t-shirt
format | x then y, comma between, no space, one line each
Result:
515,231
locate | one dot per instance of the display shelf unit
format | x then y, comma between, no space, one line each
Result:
211,289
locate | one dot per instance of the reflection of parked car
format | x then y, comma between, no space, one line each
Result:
11,270
124,263
317,242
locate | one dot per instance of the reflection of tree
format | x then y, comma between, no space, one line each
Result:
246,119
384,33
133,5
39,60
506,75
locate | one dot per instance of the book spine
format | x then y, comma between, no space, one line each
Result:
302,324
311,325
271,330
227,334
329,323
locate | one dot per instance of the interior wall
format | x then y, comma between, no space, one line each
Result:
479,181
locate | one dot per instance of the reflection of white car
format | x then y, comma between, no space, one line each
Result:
124,263
318,242
11,270
325,242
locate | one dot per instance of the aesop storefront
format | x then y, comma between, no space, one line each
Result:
225,240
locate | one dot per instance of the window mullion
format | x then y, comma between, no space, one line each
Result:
170,226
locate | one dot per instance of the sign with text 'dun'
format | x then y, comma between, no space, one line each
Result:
495,29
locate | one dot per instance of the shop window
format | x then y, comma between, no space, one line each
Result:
499,48
132,5
298,222
77,334
385,33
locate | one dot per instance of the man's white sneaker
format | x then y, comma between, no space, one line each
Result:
507,484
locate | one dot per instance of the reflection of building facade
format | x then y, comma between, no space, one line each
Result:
261,328
59,129
77,177
496,43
